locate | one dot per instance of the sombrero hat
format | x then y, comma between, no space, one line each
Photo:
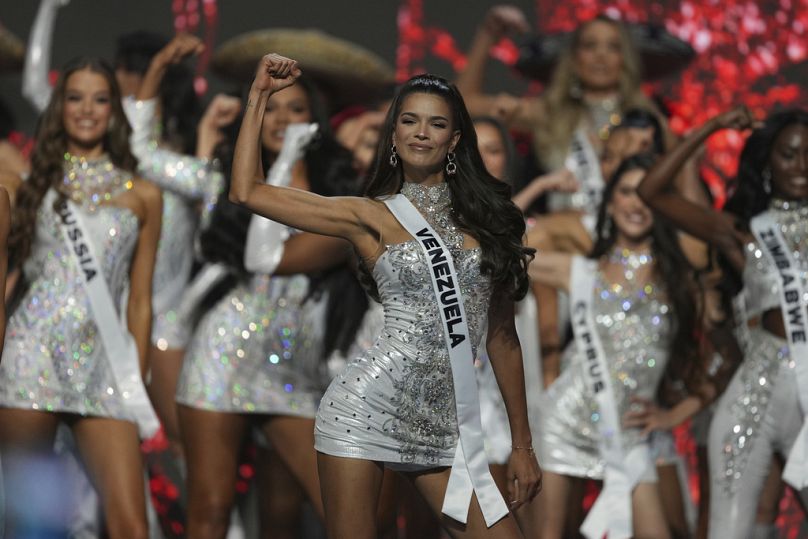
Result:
347,73
661,53
12,51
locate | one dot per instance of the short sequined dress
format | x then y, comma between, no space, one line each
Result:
395,402
635,330
54,358
258,350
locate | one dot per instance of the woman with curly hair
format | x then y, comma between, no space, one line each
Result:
409,400
760,237
84,231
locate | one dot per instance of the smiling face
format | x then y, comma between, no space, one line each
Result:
789,163
632,218
289,106
424,133
599,56
86,110
492,149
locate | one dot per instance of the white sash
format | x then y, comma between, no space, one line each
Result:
470,473
795,318
583,162
611,513
120,347
263,250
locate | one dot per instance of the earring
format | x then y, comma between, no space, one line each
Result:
393,157
451,166
766,173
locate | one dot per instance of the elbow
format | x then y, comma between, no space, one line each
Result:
238,195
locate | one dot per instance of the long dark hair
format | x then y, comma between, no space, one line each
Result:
511,157
179,104
330,172
673,268
48,157
481,204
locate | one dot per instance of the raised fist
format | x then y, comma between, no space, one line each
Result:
180,47
504,19
739,118
276,72
222,111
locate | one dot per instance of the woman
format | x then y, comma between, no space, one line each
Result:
59,364
761,413
643,313
412,425
254,359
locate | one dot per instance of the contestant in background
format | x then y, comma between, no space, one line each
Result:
59,364
761,414
255,358
643,314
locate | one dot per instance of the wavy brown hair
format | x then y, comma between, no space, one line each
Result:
48,158
564,110
481,204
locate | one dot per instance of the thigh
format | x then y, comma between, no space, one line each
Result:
165,372
673,503
110,451
23,430
350,491
280,497
553,506
293,439
647,513
212,442
432,486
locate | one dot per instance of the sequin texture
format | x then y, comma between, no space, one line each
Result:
635,329
54,358
395,403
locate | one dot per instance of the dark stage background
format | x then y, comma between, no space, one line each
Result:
751,52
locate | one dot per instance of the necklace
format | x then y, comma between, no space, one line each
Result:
93,182
630,261
604,114
435,204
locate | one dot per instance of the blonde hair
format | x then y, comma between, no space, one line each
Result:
563,110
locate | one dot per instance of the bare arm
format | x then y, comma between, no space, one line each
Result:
5,225
180,47
559,180
139,307
716,228
650,417
506,359
551,269
310,253
344,217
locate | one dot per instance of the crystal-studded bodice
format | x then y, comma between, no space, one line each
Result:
761,280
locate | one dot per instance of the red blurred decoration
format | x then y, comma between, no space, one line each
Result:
188,15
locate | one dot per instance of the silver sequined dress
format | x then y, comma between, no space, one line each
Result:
395,403
257,350
54,358
635,330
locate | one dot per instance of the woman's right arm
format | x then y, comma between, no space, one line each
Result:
714,227
516,112
35,84
344,217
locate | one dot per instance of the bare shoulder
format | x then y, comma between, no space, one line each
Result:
148,193
11,183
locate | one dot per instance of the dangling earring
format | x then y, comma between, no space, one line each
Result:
767,179
393,157
451,166
576,91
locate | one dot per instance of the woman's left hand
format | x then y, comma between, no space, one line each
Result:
524,477
646,415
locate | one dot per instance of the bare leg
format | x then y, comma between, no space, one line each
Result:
165,372
293,439
350,489
769,503
553,504
432,486
420,520
280,496
387,511
212,441
670,492
110,450
649,517
704,493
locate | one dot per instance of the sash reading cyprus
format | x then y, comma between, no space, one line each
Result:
119,345
795,318
470,473
611,513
